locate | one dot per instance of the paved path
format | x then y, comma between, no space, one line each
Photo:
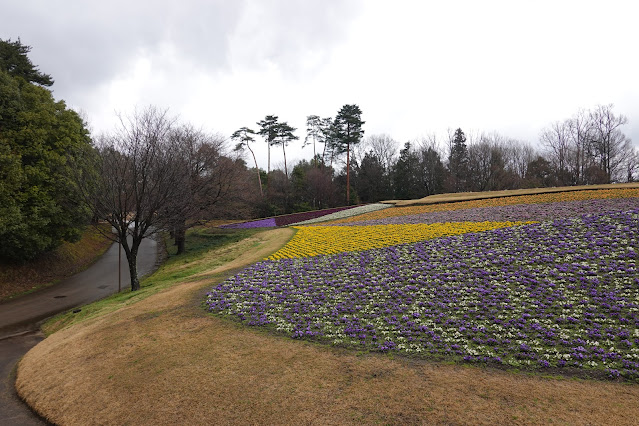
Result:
20,318
12,410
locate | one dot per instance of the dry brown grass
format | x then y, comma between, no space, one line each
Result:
66,260
164,361
467,196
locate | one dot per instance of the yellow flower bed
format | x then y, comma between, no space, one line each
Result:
493,202
316,240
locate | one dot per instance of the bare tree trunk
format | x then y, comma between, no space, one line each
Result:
348,174
268,170
324,154
133,271
132,259
285,168
259,178
180,238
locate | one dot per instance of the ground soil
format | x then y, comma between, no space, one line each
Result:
163,360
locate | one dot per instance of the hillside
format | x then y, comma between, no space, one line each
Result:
291,339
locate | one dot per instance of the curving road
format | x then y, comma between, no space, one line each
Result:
20,319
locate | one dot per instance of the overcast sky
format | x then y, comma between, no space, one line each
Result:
413,67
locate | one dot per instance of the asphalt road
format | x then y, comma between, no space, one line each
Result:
20,319
12,410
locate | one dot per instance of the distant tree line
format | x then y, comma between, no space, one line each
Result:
313,184
588,148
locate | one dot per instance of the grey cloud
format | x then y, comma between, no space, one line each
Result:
84,44
288,31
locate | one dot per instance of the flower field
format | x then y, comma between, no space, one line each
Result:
469,284
269,222
556,197
514,213
316,240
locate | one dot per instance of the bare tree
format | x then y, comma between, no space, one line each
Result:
580,135
384,147
556,139
154,175
207,176
631,165
136,180
589,147
312,185
486,163
244,200
611,146
430,141
517,156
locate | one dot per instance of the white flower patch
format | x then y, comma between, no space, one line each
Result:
342,214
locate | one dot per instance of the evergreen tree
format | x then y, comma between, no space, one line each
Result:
347,131
458,162
283,135
268,130
540,173
433,171
244,137
15,62
407,173
372,179
42,144
317,131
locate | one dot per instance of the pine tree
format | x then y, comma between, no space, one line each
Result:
283,135
458,162
406,176
14,61
268,130
244,137
347,131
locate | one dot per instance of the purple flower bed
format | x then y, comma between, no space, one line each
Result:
520,212
284,220
558,294
263,223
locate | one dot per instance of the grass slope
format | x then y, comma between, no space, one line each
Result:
162,360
